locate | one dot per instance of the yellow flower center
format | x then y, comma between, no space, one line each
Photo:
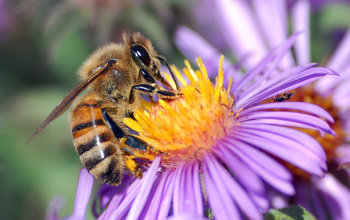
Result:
186,128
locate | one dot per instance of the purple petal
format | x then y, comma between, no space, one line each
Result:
102,197
187,196
146,187
243,174
159,200
218,198
341,95
300,118
272,17
179,186
187,216
291,155
150,198
302,196
303,78
55,205
265,162
300,13
280,123
167,196
343,153
261,201
337,196
319,208
267,86
240,31
300,106
328,84
290,144
120,204
341,57
85,184
275,12
236,192
267,173
113,204
289,136
272,59
247,178
192,46
106,193
197,188
278,200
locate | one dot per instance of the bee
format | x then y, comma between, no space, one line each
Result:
286,96
116,76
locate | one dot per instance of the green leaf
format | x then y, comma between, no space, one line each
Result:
289,213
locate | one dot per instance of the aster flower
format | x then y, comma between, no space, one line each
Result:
215,148
327,197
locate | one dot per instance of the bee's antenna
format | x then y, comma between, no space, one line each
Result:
171,72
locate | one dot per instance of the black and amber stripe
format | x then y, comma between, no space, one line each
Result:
82,126
95,143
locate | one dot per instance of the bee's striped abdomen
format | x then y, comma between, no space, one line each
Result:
95,143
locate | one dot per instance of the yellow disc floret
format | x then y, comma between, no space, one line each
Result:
185,128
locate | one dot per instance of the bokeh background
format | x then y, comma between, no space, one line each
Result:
42,44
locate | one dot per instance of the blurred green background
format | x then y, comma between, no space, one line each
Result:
42,43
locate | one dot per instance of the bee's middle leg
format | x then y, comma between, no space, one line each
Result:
129,140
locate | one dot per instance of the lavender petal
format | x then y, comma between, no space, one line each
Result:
84,189
300,14
238,194
300,106
291,155
266,173
218,198
146,187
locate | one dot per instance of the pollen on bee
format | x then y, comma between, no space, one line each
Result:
131,164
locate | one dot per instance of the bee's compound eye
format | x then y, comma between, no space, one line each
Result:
139,53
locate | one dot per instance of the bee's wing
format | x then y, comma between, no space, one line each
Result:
67,101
